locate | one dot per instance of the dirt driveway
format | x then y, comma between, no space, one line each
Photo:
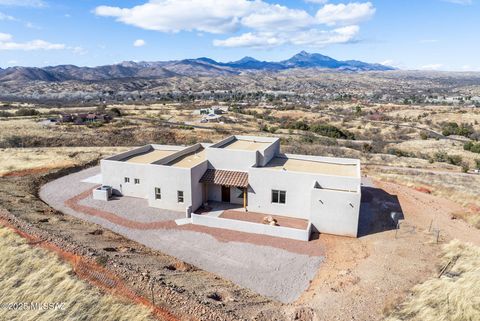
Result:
362,278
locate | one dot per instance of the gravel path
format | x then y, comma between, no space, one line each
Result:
267,270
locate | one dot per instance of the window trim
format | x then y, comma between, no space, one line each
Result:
158,193
277,196
180,196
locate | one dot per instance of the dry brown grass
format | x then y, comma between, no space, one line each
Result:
21,159
460,188
35,275
430,147
454,296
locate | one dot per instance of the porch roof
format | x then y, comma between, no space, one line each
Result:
224,177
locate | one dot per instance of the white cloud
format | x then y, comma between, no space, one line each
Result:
266,17
317,1
310,37
6,17
345,14
211,16
431,67
78,50
23,3
139,43
7,43
263,24
462,2
5,36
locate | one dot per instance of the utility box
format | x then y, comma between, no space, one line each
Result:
102,193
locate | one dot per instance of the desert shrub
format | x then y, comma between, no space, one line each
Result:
471,146
300,125
4,113
13,141
27,112
454,160
186,127
443,157
399,153
95,124
477,163
452,128
331,131
115,112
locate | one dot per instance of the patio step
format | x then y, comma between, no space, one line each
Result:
183,221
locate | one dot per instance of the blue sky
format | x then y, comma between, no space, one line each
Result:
409,34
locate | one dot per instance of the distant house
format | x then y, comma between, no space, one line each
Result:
82,118
215,110
212,118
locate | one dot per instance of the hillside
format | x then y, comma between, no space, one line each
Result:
188,67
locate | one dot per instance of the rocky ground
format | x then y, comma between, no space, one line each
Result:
185,291
361,279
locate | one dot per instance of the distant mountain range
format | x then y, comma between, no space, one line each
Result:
205,67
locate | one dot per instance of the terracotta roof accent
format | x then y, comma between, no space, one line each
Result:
224,177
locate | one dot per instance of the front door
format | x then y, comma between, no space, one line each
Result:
226,194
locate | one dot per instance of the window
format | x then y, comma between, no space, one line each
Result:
180,196
127,179
279,197
158,193
136,180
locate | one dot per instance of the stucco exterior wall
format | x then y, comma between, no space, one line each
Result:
197,187
335,212
332,205
234,192
214,193
298,186
170,180
268,153
250,227
114,172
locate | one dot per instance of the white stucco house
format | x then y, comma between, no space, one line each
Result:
244,170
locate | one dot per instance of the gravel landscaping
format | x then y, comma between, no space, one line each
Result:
267,270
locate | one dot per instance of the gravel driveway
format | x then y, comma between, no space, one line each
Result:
267,270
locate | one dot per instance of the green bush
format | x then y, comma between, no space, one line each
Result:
452,128
399,153
13,141
27,112
331,131
473,147
4,113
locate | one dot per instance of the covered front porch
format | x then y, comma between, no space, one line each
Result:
227,187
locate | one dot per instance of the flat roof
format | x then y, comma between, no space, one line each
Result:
245,144
149,157
189,160
313,166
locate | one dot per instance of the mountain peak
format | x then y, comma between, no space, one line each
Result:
246,59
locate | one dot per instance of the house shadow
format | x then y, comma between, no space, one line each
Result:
379,211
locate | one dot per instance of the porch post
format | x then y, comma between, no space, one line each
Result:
244,198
